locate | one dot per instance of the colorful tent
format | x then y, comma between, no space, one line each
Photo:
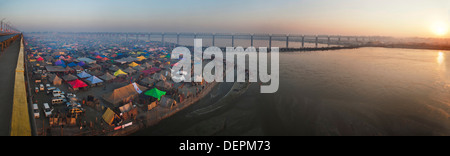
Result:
133,64
40,59
119,72
156,93
60,63
141,58
72,64
77,84
83,75
94,80
81,64
109,116
124,94
151,70
98,57
107,77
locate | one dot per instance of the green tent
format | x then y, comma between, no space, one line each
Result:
155,93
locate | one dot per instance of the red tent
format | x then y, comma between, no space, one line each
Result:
77,84
40,59
151,70
98,57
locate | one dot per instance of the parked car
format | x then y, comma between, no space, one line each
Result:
36,89
47,86
36,111
41,87
48,111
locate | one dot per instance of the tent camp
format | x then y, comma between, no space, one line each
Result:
54,79
133,64
107,77
148,81
119,72
83,75
129,70
159,77
69,77
167,102
93,80
156,93
164,85
76,84
109,116
151,71
124,94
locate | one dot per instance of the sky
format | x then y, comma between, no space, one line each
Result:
402,18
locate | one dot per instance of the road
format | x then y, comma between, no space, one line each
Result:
8,62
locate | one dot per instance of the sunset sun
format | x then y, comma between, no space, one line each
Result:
440,28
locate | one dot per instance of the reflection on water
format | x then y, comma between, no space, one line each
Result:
366,91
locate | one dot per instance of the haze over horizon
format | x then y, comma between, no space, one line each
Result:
400,18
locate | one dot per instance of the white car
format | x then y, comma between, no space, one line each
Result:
47,85
48,111
36,111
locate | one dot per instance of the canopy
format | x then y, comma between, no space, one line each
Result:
133,64
72,64
156,93
119,72
151,70
141,58
94,80
107,77
60,63
81,63
83,75
108,116
124,94
77,84
40,59
98,57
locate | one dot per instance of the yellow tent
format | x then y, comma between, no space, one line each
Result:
141,58
133,64
119,72
108,116
162,56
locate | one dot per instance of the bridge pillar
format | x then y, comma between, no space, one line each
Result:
162,39
270,42
149,37
303,41
251,43
137,37
317,41
329,41
126,37
287,41
178,38
213,40
232,40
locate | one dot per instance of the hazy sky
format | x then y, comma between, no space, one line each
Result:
333,17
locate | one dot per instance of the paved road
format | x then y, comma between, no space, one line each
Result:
8,62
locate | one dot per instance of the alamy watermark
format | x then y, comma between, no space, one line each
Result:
181,71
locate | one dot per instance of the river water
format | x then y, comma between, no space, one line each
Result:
366,91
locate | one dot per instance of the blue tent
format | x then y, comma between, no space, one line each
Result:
72,64
94,80
60,63
83,75
81,64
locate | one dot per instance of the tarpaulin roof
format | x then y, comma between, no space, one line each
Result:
119,72
156,93
133,64
81,63
108,116
83,75
77,84
72,64
107,77
94,80
40,59
151,70
123,94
